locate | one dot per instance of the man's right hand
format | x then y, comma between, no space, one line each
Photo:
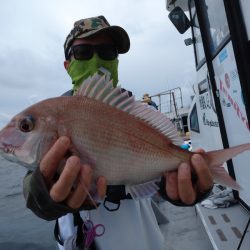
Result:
74,180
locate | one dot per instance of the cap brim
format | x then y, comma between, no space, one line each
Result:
118,35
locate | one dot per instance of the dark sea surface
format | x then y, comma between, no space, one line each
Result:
19,227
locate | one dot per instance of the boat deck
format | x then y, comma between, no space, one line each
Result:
184,231
197,228
225,226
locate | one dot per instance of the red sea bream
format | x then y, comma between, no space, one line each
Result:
124,140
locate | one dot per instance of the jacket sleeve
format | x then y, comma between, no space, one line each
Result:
39,201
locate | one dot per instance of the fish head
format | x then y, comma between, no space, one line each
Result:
28,136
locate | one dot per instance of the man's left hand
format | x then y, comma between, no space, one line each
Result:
180,186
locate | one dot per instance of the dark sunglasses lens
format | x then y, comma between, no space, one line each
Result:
107,52
83,52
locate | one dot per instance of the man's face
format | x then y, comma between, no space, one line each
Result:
95,40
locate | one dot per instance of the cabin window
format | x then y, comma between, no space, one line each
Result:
194,122
217,25
198,45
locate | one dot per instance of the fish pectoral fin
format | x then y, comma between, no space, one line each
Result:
144,190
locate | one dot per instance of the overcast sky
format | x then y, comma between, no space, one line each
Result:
33,34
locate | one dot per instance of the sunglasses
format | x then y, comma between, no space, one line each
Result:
86,51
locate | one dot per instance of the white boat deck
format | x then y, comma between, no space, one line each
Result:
225,226
184,231
199,228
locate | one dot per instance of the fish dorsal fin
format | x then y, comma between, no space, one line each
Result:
101,89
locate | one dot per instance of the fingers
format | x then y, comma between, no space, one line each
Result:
76,198
179,184
205,180
62,187
101,187
199,150
50,161
75,179
172,185
80,177
185,186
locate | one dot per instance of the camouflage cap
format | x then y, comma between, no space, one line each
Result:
94,25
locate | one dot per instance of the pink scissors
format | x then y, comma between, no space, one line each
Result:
92,231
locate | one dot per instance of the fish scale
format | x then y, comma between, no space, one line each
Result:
130,140
123,150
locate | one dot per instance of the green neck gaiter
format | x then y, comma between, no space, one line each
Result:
81,70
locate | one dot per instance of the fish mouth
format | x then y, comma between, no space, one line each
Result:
12,154
7,151
8,148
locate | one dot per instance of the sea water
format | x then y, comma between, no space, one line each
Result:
19,227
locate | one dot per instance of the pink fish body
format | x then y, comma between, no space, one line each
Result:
127,142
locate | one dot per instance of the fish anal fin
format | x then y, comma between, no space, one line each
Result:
144,190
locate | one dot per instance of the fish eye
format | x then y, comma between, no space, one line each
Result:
26,124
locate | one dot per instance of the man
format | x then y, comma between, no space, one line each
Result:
93,45
147,99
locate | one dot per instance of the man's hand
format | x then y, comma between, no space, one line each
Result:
179,185
75,179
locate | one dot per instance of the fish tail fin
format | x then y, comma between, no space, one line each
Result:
221,176
218,157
